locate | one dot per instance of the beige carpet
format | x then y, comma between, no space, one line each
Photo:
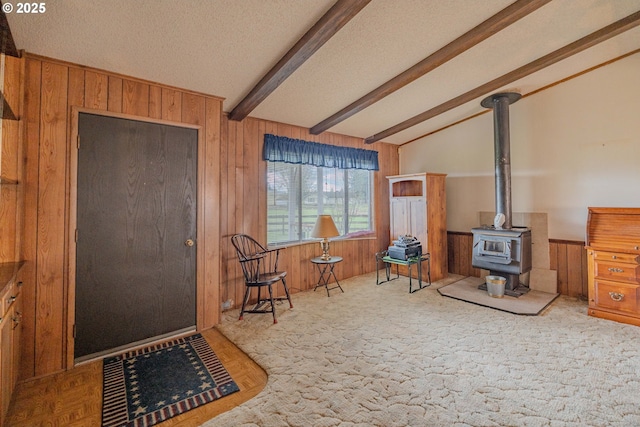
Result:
379,356
532,303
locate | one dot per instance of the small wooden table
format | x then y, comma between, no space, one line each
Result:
388,261
323,266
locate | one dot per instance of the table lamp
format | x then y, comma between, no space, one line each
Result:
325,228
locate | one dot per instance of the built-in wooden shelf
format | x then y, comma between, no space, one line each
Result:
412,185
6,181
7,112
8,272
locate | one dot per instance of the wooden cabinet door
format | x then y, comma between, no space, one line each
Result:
408,216
399,222
417,214
136,232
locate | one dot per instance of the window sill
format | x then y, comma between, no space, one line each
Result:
353,236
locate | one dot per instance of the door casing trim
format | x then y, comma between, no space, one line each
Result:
71,220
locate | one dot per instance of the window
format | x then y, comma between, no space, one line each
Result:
306,179
297,194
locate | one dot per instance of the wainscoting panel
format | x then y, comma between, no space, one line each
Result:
460,246
569,259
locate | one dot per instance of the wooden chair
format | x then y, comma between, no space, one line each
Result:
260,268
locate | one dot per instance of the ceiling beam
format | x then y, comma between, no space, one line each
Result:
486,29
326,27
578,46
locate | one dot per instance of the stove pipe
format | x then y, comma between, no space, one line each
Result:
502,151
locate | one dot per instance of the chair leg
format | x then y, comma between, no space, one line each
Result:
273,306
286,291
244,301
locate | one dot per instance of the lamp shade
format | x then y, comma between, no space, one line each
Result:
325,227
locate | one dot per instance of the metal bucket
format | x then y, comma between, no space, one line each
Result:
495,286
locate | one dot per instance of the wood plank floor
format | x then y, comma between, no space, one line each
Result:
74,398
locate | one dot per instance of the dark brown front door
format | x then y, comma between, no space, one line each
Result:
136,221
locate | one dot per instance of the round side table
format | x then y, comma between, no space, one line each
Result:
325,268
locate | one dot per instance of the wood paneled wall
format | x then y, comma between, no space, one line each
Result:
460,250
52,89
243,207
567,257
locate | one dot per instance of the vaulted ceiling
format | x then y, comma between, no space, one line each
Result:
389,70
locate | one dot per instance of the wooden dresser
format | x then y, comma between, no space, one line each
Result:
613,256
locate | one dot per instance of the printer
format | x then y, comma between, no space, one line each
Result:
404,248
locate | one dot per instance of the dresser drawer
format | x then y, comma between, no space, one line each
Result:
616,256
617,296
612,270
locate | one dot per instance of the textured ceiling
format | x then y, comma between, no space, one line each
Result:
224,47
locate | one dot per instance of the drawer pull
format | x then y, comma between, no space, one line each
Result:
614,257
616,296
615,270
11,299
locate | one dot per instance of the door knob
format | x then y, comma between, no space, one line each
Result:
188,242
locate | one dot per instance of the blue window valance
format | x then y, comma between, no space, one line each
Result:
289,150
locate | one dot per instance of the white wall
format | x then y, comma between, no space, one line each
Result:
574,145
